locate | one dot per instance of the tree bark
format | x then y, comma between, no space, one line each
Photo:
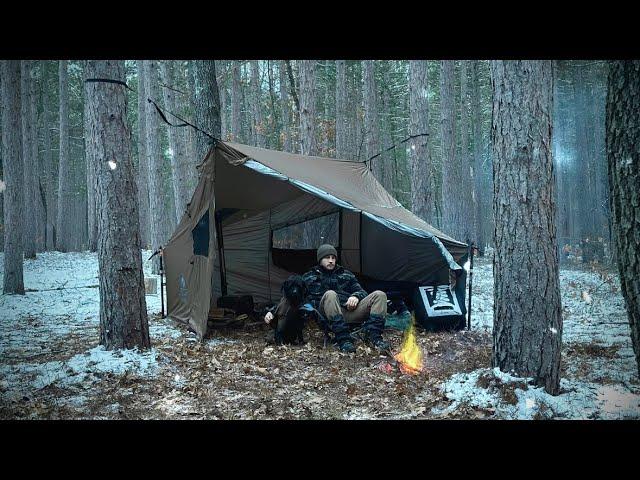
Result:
49,165
30,171
527,333
388,157
92,217
419,155
457,211
341,110
13,173
259,138
207,114
180,165
464,201
371,120
478,172
63,224
285,103
236,102
123,310
157,214
143,160
308,144
623,141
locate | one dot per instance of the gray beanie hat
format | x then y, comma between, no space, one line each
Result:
324,250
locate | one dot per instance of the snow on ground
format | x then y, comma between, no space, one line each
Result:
57,318
600,378
51,365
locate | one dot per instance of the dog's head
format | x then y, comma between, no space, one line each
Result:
294,290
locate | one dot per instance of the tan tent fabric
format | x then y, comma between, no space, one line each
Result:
260,190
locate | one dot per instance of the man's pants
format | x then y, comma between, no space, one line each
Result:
374,303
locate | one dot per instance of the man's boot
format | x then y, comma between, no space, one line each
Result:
372,332
342,334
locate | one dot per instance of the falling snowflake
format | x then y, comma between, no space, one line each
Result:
553,330
112,164
413,147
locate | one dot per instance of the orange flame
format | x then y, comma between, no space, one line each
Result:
410,356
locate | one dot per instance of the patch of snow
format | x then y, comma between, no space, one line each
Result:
81,369
577,400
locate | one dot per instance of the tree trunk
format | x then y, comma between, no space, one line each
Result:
236,102
419,157
341,110
222,70
308,145
143,160
92,217
527,333
259,139
13,173
371,121
622,140
63,224
49,166
285,103
123,309
207,114
478,172
464,200
157,214
179,162
457,211
29,162
388,157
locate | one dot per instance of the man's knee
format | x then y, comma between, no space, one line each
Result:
379,303
330,295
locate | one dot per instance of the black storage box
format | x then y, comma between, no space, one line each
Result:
238,303
438,308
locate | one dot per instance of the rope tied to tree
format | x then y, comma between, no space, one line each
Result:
159,109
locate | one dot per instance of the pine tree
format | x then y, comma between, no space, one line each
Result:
123,310
622,141
527,333
13,173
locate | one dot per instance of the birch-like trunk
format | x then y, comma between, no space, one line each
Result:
285,107
341,110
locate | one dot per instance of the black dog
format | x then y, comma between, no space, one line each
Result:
289,328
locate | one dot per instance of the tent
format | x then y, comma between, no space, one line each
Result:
258,195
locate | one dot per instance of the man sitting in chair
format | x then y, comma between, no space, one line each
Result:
337,295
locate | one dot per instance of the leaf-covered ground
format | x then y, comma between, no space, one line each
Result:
52,366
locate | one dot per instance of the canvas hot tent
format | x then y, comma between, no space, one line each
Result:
249,195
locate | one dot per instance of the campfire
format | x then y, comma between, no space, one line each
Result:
410,356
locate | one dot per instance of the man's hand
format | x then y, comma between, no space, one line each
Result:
268,317
352,303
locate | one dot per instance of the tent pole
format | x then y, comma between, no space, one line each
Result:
221,262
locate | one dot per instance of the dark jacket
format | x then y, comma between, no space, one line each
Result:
340,280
